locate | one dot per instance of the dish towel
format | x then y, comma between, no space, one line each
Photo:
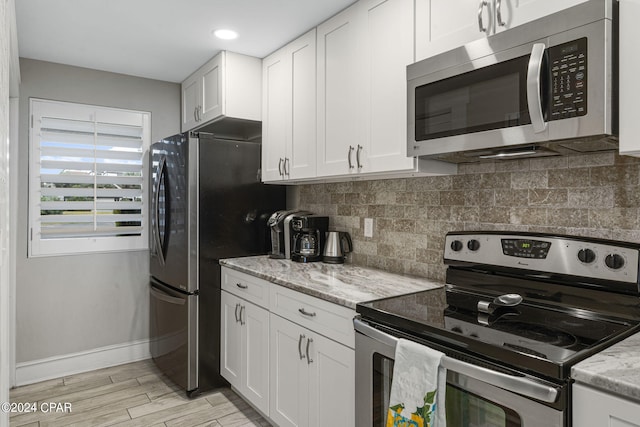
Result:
418,387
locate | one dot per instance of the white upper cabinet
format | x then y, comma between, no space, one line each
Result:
442,25
289,111
388,49
229,85
340,137
363,53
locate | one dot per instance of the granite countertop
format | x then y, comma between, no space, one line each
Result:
614,370
342,284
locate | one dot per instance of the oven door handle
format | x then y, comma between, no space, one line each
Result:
521,385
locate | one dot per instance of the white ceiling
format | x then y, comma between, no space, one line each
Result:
160,39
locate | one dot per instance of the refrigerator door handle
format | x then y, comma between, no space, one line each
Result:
162,167
166,298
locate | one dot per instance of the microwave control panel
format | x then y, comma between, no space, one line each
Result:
568,63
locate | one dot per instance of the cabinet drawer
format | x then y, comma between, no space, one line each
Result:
331,320
246,286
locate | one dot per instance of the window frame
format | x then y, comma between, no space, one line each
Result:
64,246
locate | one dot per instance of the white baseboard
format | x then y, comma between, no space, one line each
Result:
69,364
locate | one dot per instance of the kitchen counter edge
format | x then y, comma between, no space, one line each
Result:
342,284
615,370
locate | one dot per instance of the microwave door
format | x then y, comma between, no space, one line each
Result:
483,103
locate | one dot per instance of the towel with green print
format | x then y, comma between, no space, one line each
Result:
418,387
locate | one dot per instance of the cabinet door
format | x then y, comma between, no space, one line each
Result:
211,79
331,383
387,45
255,355
289,374
190,103
442,25
301,151
338,93
276,75
593,408
518,12
231,339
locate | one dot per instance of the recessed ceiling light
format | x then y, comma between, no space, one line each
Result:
225,34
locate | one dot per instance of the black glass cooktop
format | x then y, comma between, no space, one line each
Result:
528,336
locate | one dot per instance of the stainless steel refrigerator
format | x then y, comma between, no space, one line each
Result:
207,203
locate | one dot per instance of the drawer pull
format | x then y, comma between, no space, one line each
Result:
309,360
306,313
300,346
241,286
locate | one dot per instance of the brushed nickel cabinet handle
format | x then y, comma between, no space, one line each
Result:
300,346
481,27
242,322
309,359
306,313
280,167
499,13
286,166
349,157
241,286
358,156
237,319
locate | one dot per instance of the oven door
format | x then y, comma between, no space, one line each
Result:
475,396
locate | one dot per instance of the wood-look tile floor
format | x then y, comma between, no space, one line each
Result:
135,394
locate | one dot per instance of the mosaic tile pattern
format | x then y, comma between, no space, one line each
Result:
588,195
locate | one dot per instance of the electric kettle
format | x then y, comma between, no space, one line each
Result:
337,245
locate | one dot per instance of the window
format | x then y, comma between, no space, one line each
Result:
87,178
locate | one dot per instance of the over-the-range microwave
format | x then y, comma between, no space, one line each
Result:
547,87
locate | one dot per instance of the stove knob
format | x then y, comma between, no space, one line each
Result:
473,245
614,261
586,256
456,245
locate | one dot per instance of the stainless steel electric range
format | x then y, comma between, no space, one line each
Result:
518,311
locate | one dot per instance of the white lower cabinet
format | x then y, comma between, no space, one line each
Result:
594,408
312,378
244,349
287,353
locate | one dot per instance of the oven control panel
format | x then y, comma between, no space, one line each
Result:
594,258
526,248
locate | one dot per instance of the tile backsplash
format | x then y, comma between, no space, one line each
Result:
589,195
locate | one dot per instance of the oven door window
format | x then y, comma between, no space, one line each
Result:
487,98
382,376
464,409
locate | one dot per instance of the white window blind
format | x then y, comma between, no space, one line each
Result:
88,187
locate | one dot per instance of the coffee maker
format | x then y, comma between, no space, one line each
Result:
281,232
309,237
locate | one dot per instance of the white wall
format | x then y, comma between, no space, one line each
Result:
4,209
76,304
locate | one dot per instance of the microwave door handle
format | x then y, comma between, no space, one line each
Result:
524,386
534,99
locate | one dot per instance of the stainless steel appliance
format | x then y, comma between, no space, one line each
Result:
518,311
282,232
207,203
338,245
308,237
511,94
